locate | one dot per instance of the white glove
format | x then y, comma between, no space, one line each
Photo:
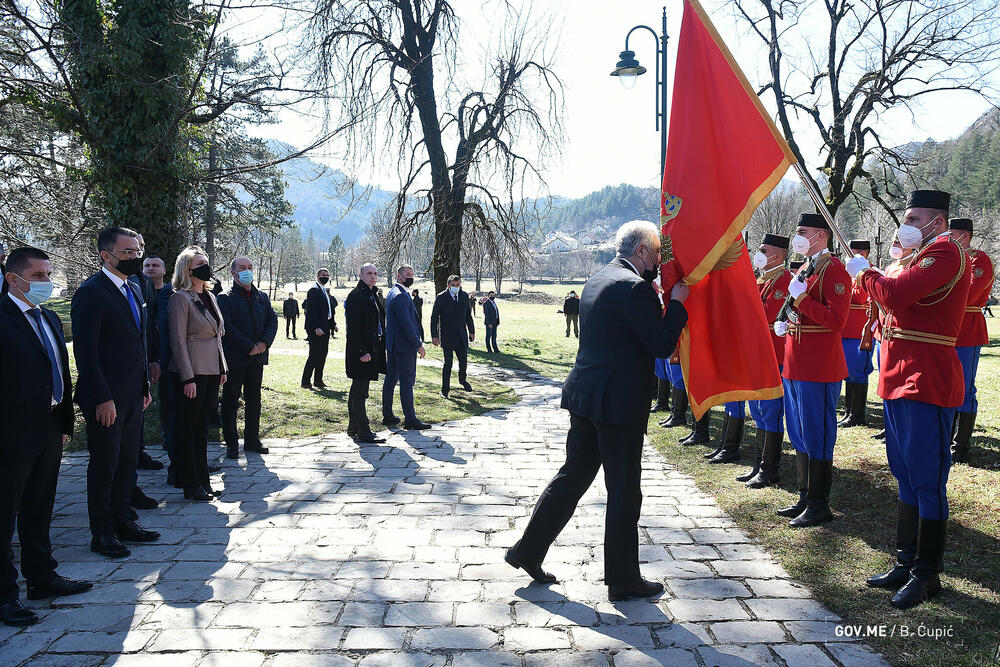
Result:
781,328
856,265
796,288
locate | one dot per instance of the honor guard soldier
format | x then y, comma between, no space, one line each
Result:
813,369
972,336
769,415
859,361
900,259
921,383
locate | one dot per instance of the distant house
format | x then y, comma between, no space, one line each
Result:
559,243
588,239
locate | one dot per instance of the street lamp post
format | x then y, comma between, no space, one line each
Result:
628,68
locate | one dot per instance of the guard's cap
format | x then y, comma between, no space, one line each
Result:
776,240
813,220
860,244
929,199
960,224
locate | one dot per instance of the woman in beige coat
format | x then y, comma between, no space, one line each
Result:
198,366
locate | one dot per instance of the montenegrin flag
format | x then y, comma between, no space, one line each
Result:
724,156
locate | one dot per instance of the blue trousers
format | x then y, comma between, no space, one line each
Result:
660,369
918,446
859,362
737,409
878,354
969,356
675,375
491,338
402,369
812,416
769,415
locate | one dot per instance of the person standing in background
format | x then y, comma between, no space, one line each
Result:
453,328
154,268
491,320
571,309
472,303
319,325
290,311
418,305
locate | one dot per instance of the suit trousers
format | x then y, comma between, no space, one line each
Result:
289,326
246,381
575,321
358,415
190,457
491,338
402,369
463,361
167,394
27,494
114,452
318,348
589,445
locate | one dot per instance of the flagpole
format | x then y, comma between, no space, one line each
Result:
821,207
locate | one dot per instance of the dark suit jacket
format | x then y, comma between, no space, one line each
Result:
402,330
491,314
110,352
571,306
27,377
364,317
316,309
290,308
453,319
622,331
247,322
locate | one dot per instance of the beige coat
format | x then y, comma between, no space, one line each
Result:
195,339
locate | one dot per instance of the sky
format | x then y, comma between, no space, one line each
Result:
610,132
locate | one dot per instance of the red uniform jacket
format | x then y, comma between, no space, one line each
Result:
857,317
773,287
925,304
892,271
974,325
813,351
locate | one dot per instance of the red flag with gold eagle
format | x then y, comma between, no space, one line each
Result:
724,156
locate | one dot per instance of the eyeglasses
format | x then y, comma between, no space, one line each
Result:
128,252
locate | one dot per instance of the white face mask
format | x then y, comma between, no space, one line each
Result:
911,236
759,260
800,244
895,252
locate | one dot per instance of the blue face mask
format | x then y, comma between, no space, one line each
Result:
39,292
454,290
245,276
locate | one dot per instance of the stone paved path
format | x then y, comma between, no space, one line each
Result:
327,553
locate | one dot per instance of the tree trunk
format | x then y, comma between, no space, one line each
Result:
211,201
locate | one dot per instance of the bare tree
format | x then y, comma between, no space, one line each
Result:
385,60
875,55
779,212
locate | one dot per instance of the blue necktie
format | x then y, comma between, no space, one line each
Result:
131,302
57,381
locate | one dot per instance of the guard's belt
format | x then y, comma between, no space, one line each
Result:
890,332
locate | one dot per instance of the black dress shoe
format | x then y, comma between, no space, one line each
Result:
466,386
109,546
147,462
57,586
444,393
637,589
319,384
133,532
196,493
390,421
256,447
214,469
141,501
416,426
212,492
534,570
368,437
132,514
306,385
14,613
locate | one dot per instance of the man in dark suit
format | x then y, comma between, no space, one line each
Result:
607,396
319,326
453,328
364,356
418,305
250,325
154,268
491,320
36,419
402,344
290,311
109,345
571,309
147,462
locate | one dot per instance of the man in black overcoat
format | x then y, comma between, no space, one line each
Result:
364,356
319,326
453,328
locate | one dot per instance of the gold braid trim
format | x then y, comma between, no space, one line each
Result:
945,289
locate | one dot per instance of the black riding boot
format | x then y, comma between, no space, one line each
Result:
817,509
965,424
699,433
758,452
802,477
924,582
907,521
662,396
860,405
769,462
678,409
849,389
732,430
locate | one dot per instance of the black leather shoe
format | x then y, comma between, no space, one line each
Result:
109,546
726,455
534,570
306,385
907,529
368,437
57,586
196,493
390,421
212,492
444,393
916,590
466,386
638,589
141,501
147,462
256,447
14,614
319,384
215,469
416,426
133,532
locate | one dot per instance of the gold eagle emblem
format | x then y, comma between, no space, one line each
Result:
779,295
730,256
666,248
671,206
839,288
926,262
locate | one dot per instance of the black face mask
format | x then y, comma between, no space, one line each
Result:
408,282
203,272
649,275
129,267
323,280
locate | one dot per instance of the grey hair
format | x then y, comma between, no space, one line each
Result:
364,266
232,264
631,234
